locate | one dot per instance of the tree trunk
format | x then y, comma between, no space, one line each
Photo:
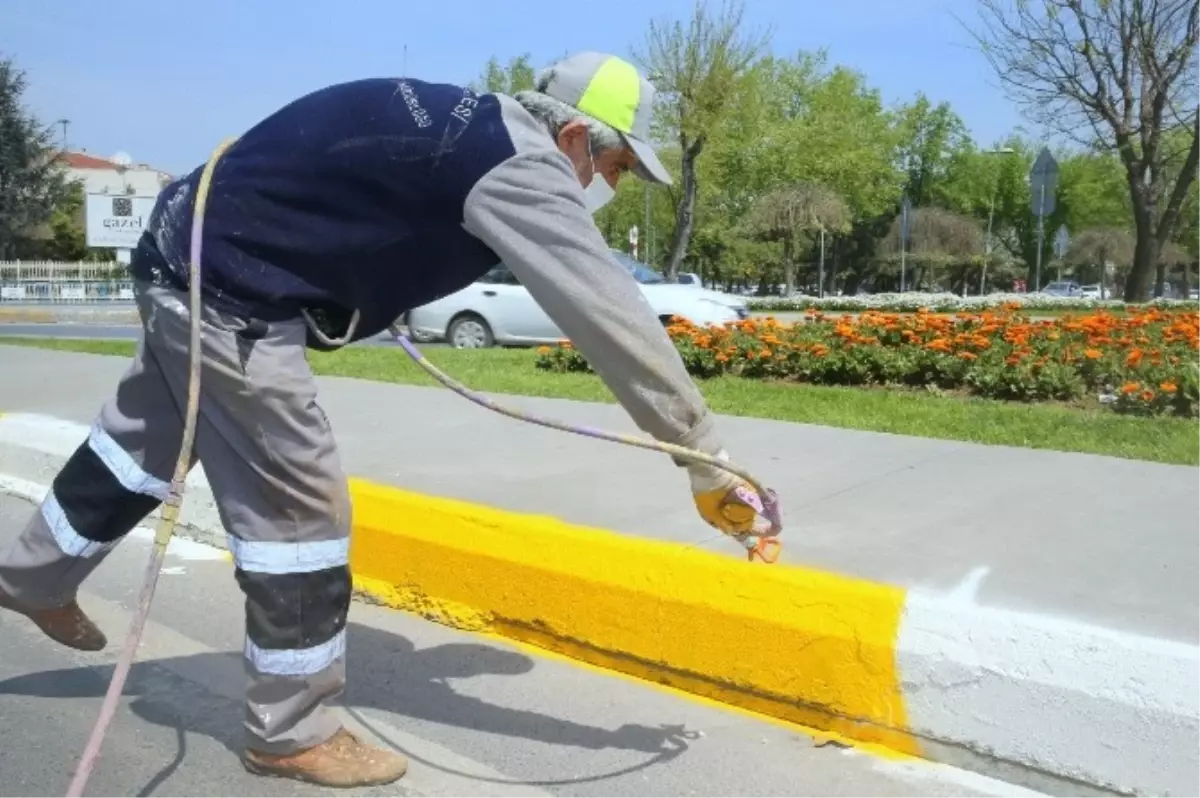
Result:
1145,260
789,269
686,212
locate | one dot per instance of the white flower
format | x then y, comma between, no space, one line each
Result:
945,303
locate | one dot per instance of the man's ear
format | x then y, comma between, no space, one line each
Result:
572,136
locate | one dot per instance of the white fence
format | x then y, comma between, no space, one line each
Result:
52,282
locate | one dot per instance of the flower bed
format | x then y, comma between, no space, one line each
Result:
1143,362
950,303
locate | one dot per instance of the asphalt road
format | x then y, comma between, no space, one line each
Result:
476,715
88,331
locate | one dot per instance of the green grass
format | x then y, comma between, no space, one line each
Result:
1056,427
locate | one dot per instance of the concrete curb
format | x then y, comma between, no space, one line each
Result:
1048,703
69,314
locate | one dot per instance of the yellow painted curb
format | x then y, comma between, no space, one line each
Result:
792,643
23,316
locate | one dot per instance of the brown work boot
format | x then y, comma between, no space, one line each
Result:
67,625
341,761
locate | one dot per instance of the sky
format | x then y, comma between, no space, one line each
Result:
166,80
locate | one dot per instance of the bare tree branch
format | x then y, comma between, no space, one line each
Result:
1124,70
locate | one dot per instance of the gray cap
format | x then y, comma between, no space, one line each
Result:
611,90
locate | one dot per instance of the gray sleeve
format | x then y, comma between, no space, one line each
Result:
530,212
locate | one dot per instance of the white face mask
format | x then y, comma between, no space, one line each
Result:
598,192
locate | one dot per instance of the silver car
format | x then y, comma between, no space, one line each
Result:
1068,288
498,310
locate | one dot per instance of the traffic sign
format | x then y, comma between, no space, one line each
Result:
1043,180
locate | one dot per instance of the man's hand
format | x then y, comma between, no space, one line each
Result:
723,500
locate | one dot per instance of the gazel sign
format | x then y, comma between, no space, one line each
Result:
116,220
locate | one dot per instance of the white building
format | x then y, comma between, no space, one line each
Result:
118,175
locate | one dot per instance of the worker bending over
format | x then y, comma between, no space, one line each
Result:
325,222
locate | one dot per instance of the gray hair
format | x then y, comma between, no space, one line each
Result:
555,114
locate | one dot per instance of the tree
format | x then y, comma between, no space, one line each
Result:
32,182
1116,75
1093,251
937,239
794,216
696,70
67,241
798,120
517,75
930,138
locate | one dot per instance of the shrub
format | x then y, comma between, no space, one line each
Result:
1143,362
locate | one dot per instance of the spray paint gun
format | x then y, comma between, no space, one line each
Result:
763,541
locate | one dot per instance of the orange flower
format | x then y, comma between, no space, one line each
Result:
1134,358
968,355
722,358
544,350
1168,387
1093,354
938,345
1130,387
1147,395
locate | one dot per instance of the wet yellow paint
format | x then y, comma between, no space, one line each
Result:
800,645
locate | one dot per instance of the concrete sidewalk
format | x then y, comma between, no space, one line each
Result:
1094,539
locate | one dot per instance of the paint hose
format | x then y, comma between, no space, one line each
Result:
762,542
169,516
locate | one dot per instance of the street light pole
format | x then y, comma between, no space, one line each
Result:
646,221
987,245
987,241
821,267
64,123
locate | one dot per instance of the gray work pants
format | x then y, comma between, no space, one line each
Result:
270,458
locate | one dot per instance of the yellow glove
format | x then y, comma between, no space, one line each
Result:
724,501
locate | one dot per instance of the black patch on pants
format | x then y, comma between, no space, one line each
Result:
295,611
95,502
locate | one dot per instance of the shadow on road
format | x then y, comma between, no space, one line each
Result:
384,672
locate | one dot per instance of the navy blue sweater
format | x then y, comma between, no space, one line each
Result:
348,198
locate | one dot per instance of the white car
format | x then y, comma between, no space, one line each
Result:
498,310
